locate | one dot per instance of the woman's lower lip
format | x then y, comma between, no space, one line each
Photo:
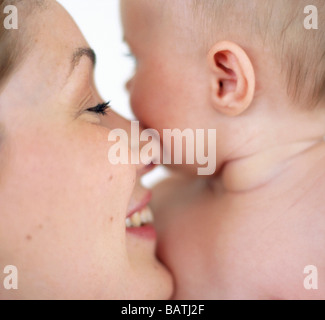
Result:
147,232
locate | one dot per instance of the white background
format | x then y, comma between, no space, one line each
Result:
99,21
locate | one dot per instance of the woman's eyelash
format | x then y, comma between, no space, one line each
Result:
100,108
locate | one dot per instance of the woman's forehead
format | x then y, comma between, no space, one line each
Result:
56,37
52,39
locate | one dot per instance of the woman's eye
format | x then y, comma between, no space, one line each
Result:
100,108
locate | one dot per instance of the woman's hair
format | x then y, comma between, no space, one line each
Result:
13,44
8,45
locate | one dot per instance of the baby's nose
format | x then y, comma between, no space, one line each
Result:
128,84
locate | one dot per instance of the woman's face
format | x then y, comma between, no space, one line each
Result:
63,205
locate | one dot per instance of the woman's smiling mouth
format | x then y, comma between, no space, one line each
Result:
140,220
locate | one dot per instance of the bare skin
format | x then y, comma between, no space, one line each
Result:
249,231
251,244
63,204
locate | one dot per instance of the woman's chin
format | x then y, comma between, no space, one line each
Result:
154,280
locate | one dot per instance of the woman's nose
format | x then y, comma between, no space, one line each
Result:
115,121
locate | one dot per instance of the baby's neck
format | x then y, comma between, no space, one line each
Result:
291,161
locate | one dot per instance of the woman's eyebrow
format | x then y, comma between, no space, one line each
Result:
81,52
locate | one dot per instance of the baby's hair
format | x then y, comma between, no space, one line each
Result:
277,26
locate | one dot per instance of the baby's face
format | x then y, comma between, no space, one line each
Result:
169,87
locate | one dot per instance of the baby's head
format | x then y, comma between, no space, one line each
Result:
251,70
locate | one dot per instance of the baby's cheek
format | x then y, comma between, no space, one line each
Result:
147,96
141,98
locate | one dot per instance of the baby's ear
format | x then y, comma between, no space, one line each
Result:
233,78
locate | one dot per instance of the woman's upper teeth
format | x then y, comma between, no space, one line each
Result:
139,218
